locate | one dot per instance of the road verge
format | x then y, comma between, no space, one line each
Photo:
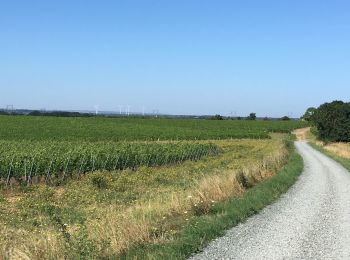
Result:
200,230
343,161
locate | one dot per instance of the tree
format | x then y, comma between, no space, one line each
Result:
308,116
332,121
252,116
217,117
35,113
285,118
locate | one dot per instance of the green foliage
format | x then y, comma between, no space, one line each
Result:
53,148
84,248
97,129
59,114
332,121
52,159
99,181
314,131
2,112
217,117
343,161
69,212
201,229
285,118
252,116
308,116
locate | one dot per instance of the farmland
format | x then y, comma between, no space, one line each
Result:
132,129
24,160
42,147
99,187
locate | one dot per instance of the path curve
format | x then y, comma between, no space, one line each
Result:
310,221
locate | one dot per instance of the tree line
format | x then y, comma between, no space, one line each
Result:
251,116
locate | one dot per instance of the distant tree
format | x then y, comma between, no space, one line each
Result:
285,118
252,116
332,121
35,113
239,118
58,114
266,118
217,117
308,116
2,112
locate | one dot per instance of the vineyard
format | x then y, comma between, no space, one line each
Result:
57,160
130,129
50,148
93,188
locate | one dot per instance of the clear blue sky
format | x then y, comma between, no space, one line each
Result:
181,57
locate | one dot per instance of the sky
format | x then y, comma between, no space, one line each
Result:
226,57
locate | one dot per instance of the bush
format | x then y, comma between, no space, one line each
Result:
99,181
332,121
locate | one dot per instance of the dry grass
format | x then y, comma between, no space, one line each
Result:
303,134
21,244
223,186
121,231
146,222
163,200
340,149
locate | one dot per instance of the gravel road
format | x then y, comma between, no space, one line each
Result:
310,221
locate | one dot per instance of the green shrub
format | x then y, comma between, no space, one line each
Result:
99,181
332,121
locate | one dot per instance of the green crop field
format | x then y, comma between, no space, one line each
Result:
96,188
131,129
24,159
56,147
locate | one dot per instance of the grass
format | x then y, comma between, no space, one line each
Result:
340,149
107,214
146,211
224,215
340,152
334,155
49,149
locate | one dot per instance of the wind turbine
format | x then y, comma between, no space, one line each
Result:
96,109
120,109
155,112
128,110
